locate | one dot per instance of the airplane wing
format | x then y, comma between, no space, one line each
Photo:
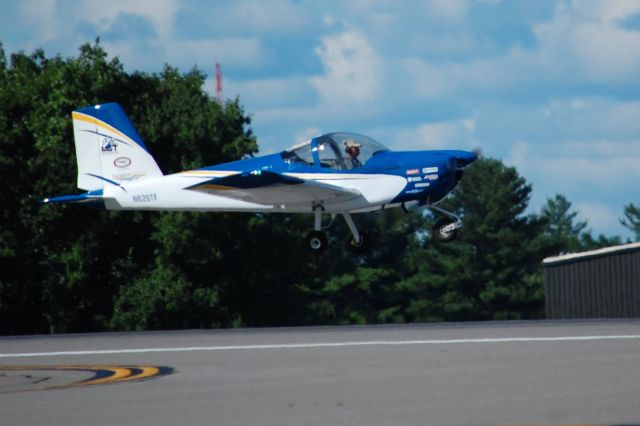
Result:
270,188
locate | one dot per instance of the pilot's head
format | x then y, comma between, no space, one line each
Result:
352,147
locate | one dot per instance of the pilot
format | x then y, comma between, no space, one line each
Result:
352,148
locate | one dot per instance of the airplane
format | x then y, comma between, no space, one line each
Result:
336,173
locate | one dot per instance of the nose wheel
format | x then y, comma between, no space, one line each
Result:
445,230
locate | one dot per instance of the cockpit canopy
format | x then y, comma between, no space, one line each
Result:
340,150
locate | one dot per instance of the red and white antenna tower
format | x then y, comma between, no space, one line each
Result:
218,84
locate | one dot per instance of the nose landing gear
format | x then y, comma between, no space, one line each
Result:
446,228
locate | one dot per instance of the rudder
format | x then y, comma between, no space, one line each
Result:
108,148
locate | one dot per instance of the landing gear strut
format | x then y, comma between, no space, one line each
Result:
359,241
317,241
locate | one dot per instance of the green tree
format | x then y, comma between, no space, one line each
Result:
67,268
631,219
566,234
561,225
493,269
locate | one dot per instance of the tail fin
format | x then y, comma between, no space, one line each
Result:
108,148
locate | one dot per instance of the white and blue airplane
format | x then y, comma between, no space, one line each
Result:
335,173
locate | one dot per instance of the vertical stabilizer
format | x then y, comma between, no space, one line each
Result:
108,148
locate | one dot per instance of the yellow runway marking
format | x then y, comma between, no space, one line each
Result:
102,374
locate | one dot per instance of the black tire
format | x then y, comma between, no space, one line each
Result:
438,230
361,246
317,242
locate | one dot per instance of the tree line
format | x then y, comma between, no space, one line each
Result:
70,269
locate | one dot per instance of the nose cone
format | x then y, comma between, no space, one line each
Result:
464,158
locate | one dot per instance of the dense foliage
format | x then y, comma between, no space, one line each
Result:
67,269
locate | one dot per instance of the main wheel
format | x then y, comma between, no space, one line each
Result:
317,242
440,233
361,246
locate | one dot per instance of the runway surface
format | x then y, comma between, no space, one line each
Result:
470,374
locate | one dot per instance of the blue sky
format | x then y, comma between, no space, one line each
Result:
550,87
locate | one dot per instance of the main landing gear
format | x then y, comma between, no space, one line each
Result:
317,241
445,230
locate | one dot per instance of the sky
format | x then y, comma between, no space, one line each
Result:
549,87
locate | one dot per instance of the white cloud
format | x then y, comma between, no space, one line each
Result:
492,76
583,41
606,52
451,11
236,52
601,149
161,13
328,20
428,81
353,71
260,17
456,134
598,216
239,53
41,16
624,118
306,134
597,173
270,93
519,157
606,10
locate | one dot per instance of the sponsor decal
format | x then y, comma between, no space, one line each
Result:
423,185
414,179
144,198
109,146
414,191
128,176
430,170
413,171
122,162
431,177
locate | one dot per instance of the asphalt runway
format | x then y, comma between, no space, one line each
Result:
470,374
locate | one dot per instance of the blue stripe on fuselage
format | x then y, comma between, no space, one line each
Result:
435,168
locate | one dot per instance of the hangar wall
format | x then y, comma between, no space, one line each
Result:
601,283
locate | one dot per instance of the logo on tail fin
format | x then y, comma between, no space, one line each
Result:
122,162
109,145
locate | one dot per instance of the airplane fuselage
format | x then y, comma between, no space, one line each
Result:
387,180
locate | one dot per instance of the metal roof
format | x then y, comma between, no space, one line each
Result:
591,254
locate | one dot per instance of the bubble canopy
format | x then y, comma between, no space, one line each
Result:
339,150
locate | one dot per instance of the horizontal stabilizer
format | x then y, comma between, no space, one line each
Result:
89,199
